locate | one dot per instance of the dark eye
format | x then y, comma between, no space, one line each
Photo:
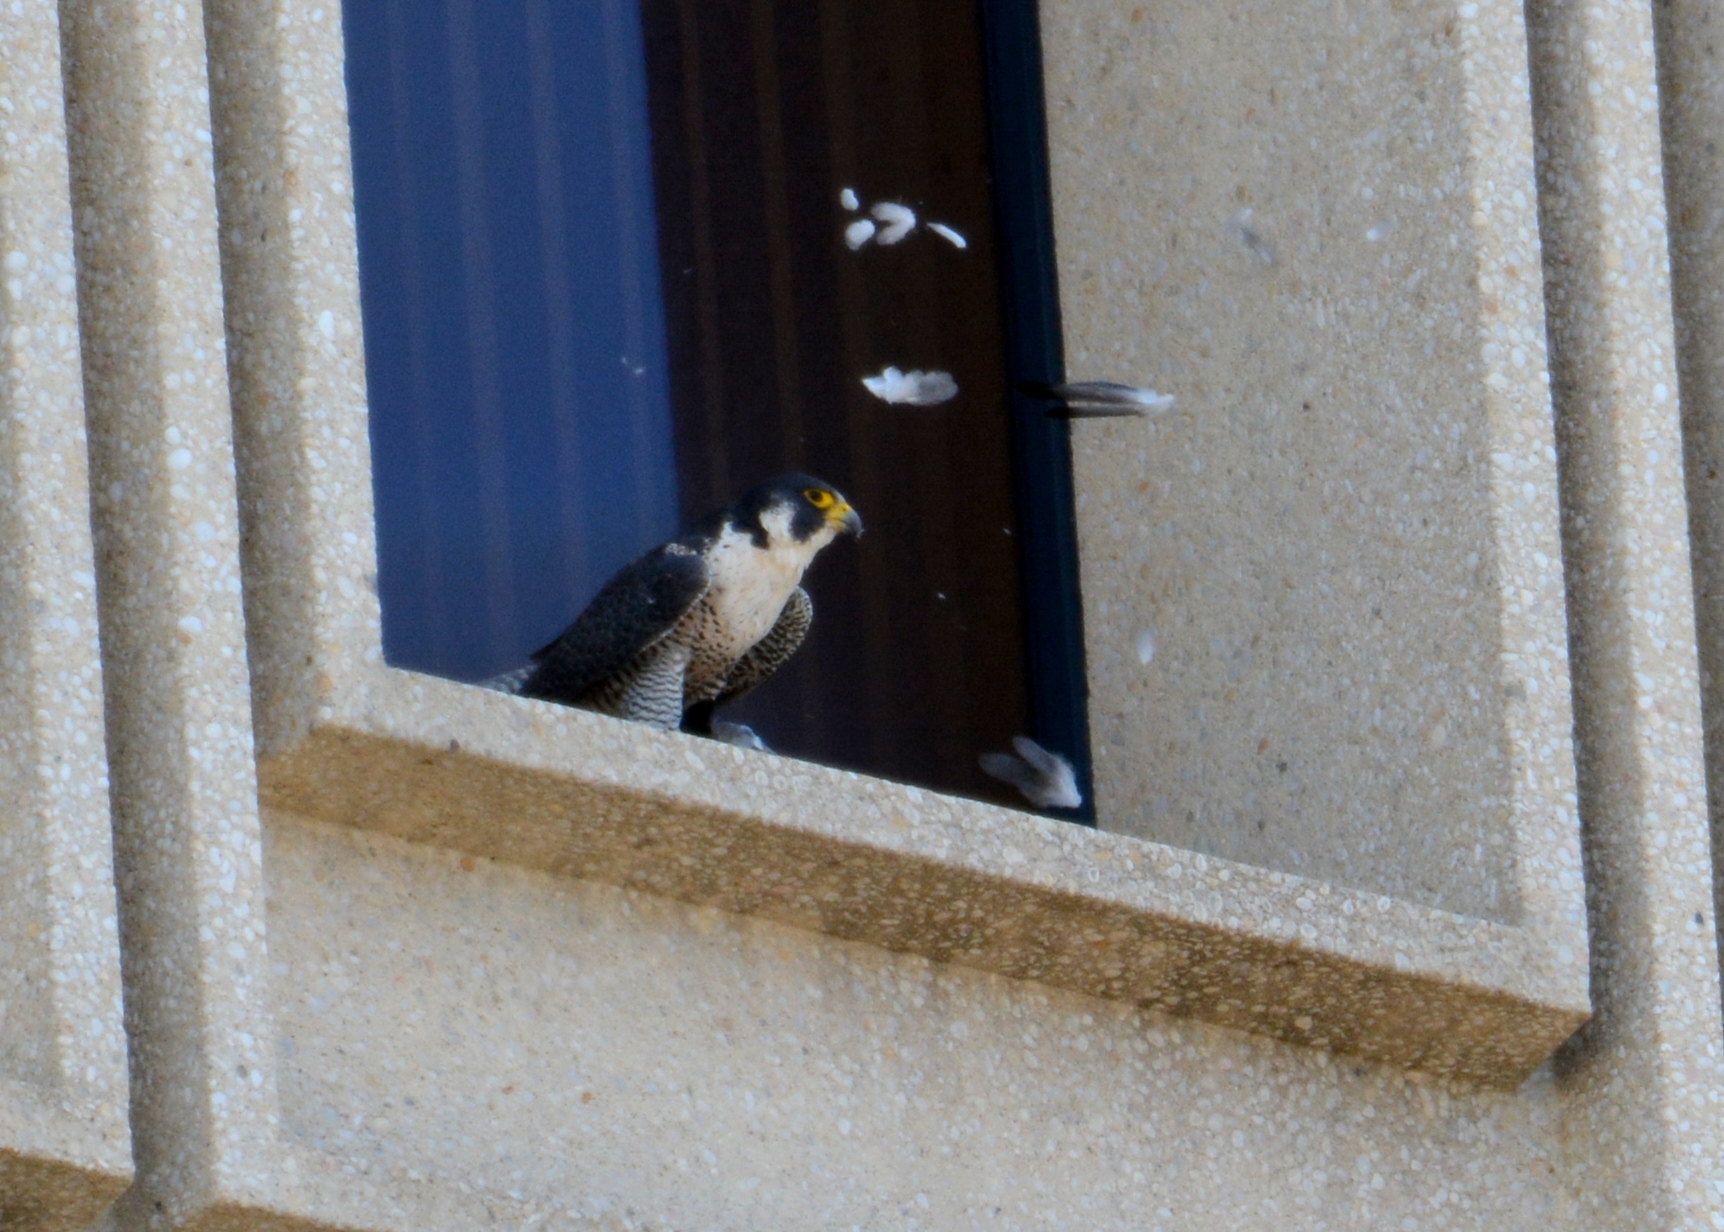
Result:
820,498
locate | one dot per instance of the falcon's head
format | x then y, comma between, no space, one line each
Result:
795,510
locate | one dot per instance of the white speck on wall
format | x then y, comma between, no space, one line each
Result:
896,221
191,624
1146,646
1380,231
858,233
17,262
326,324
948,234
179,459
849,200
1247,235
912,388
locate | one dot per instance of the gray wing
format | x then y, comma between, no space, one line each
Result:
649,690
772,651
634,611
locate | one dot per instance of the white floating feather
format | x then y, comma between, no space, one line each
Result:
859,233
912,388
848,199
897,221
948,234
1146,646
1045,779
740,734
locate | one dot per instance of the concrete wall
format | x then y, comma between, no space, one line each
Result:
64,1148
1401,913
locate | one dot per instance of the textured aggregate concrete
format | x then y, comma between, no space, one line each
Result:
186,833
658,1065
954,880
427,1010
64,1147
1646,1128
1690,38
1324,604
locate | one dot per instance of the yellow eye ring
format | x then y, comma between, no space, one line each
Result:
818,497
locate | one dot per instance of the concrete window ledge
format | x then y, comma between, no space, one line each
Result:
954,880
342,738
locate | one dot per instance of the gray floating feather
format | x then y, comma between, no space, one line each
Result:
914,388
1046,779
1098,399
740,734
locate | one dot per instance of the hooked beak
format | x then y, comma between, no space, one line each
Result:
846,519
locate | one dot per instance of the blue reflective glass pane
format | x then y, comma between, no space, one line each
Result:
515,341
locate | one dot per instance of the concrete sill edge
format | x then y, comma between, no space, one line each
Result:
954,880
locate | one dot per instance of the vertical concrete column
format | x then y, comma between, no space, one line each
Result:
188,839
1643,1122
1691,98
290,277
64,1149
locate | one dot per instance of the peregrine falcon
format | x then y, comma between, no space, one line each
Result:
702,619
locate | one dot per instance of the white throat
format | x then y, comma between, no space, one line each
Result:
779,540
750,584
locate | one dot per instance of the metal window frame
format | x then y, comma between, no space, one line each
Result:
1041,446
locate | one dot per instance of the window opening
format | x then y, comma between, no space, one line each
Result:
622,261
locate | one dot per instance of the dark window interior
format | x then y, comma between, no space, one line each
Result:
607,288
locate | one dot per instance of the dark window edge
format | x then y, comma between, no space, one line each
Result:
1041,446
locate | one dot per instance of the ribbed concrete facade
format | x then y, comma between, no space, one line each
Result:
1401,910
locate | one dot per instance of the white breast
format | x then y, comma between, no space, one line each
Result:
750,585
